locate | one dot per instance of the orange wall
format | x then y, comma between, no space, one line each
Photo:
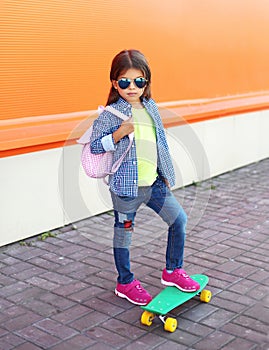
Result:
55,55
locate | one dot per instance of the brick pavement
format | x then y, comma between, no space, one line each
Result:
57,294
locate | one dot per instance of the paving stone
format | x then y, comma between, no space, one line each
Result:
19,322
28,273
199,312
228,296
149,341
259,292
71,288
6,280
251,323
107,337
101,346
13,288
245,333
55,328
24,253
259,311
27,346
38,337
218,318
3,332
103,306
72,314
11,339
11,311
4,345
88,321
241,344
131,316
193,327
123,329
41,283
179,336
243,286
58,302
78,342
105,283
214,341
169,345
84,295
46,264
39,307
26,294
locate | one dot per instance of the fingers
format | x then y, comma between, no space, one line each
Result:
128,126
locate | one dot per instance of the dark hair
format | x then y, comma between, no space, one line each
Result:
123,61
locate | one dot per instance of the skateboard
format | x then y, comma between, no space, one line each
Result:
170,298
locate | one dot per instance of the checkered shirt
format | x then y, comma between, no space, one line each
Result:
125,181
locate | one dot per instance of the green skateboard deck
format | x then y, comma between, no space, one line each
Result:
170,298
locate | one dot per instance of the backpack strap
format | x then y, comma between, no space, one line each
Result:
119,114
116,112
117,164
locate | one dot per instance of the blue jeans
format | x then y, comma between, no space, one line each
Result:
159,198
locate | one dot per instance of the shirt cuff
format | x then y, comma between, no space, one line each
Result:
108,143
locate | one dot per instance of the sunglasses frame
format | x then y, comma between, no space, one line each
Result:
127,80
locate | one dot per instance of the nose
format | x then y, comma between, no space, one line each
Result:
132,85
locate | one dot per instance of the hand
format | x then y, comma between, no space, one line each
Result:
126,128
167,183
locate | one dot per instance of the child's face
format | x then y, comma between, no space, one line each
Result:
132,93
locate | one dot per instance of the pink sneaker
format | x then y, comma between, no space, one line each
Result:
133,292
179,279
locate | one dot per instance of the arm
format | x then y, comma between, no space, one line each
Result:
107,132
125,129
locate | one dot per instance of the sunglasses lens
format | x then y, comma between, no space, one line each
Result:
124,83
140,82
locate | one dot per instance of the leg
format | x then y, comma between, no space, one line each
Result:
124,211
123,230
128,288
164,203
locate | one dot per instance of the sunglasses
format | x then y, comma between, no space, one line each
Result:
125,82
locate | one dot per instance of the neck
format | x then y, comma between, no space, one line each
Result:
137,105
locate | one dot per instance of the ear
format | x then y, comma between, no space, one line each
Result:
114,84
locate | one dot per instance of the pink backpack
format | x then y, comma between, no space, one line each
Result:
100,165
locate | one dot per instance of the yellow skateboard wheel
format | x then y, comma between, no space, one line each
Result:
170,324
147,318
205,296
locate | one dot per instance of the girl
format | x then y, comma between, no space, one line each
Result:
145,175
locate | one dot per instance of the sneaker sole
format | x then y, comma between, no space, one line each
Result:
171,284
123,296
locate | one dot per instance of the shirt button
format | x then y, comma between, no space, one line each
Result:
134,162
134,181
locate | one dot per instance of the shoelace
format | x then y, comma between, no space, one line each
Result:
139,288
183,274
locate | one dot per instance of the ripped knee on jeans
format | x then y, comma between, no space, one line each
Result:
126,221
123,230
128,225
